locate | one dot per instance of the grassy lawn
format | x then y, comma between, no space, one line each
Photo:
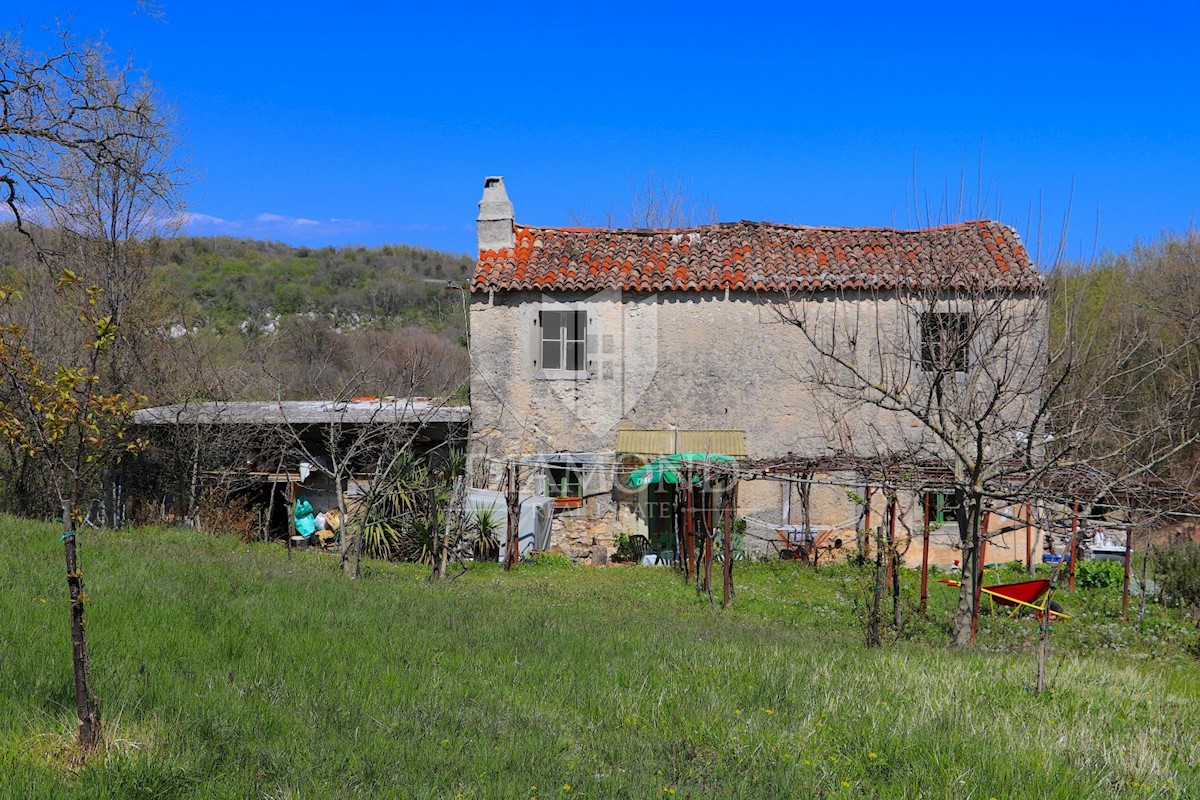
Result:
230,670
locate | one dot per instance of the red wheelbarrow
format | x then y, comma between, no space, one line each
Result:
1024,594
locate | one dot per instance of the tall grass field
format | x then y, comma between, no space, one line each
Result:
227,670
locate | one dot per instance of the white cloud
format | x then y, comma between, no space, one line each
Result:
191,218
298,230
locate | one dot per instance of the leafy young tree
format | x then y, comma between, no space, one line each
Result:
59,415
83,172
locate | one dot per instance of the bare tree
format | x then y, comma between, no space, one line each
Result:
657,202
373,435
959,369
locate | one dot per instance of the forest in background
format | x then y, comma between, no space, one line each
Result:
239,319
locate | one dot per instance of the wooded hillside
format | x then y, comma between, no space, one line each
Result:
231,282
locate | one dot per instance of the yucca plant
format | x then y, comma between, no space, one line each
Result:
407,512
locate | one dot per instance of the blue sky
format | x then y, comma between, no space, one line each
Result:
377,122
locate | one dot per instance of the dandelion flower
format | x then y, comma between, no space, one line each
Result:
845,784
566,787
873,754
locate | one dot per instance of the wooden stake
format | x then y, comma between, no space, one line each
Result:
727,548
1128,570
1074,545
511,556
689,530
867,517
1029,538
895,575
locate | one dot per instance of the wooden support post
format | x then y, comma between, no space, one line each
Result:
677,528
1128,570
894,572
689,530
1074,545
1029,538
727,546
891,543
867,517
925,560
706,521
513,544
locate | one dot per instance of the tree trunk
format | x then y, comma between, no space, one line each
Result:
964,615
512,547
443,556
893,579
86,707
874,620
1043,657
349,540
192,519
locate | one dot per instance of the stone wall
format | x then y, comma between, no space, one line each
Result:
689,360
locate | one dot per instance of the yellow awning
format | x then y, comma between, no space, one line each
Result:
668,442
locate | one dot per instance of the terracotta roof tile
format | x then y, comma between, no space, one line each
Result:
749,256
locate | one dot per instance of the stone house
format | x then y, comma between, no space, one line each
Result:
594,350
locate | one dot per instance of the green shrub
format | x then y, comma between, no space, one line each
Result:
551,561
1091,574
1178,568
624,549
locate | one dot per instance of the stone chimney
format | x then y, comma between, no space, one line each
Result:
495,221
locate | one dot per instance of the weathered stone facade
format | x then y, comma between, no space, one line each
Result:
685,359
722,361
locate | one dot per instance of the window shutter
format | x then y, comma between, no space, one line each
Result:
535,341
593,344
